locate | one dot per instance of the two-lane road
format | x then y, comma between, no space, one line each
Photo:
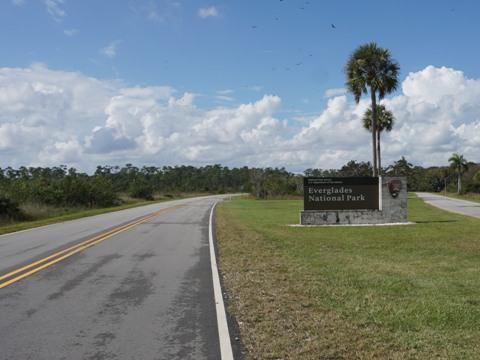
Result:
135,284
459,206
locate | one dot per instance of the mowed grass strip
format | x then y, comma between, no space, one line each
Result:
377,292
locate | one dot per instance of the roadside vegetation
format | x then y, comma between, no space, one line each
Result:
465,196
29,195
370,292
45,216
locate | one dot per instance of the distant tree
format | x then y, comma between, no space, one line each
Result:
312,172
59,172
280,183
385,121
400,168
257,179
355,169
460,165
475,186
476,177
370,69
239,179
320,173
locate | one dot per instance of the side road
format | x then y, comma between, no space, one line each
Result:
464,207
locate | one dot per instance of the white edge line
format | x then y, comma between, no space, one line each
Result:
223,333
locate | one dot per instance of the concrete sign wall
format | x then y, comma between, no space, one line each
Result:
342,193
338,193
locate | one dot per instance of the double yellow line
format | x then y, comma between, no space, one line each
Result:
36,266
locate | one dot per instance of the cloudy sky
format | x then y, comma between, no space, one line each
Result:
256,83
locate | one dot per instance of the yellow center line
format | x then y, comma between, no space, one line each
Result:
61,255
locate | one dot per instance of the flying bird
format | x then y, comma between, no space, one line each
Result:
333,26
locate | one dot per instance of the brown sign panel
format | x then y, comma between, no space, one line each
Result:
341,193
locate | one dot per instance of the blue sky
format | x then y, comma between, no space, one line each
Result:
256,83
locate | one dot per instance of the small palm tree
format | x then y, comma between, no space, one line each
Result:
385,121
401,167
459,163
370,69
476,177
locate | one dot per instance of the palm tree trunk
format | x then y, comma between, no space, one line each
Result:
374,131
378,154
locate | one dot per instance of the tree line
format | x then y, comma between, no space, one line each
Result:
66,187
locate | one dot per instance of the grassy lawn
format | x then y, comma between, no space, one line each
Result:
382,292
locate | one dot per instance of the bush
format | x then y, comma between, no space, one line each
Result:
141,190
92,192
10,210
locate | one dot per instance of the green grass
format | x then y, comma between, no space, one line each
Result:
381,292
468,196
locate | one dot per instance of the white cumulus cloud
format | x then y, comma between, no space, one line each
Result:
110,50
207,12
54,9
50,117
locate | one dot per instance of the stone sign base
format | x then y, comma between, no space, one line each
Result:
393,209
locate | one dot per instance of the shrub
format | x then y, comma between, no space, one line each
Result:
141,190
9,210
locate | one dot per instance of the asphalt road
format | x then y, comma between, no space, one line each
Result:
142,291
463,207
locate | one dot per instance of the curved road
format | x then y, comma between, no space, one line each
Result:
463,207
134,284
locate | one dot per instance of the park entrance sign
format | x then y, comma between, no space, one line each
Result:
350,201
341,193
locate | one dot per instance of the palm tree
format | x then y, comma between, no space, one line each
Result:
401,167
385,121
459,163
371,69
476,177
